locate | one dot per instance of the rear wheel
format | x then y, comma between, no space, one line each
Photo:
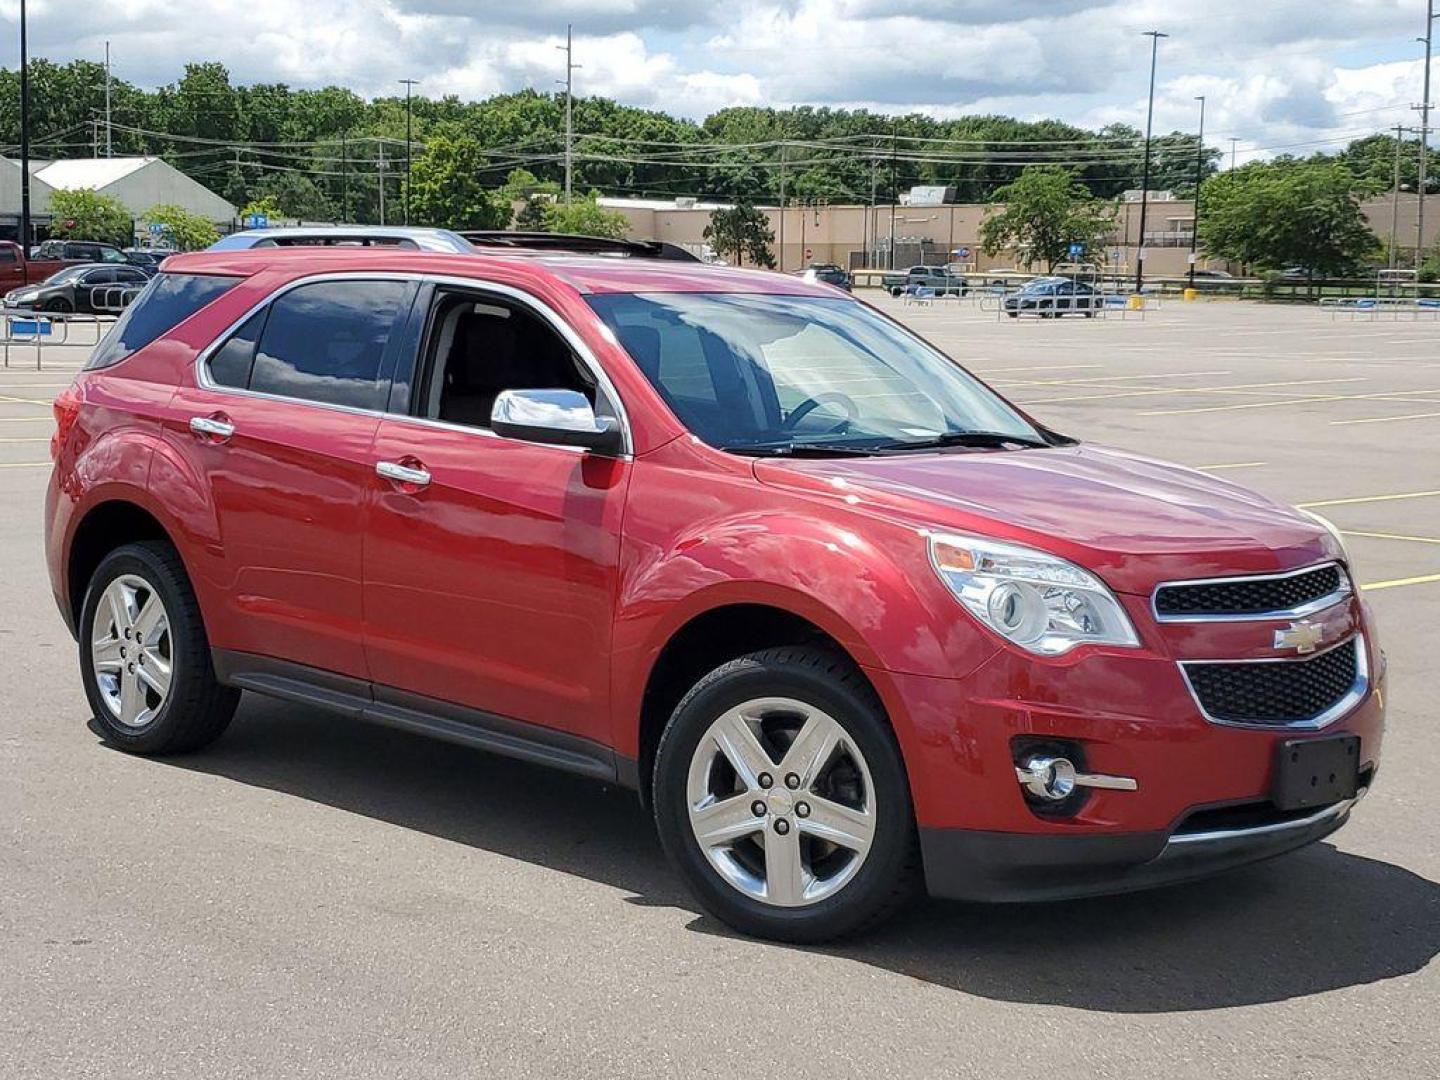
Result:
781,797
144,656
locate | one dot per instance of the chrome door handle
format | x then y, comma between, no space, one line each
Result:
208,425
401,474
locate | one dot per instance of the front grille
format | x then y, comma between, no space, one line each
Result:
1249,596
1275,692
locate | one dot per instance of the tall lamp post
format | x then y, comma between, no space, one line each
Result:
1424,108
409,85
1199,178
1154,36
25,234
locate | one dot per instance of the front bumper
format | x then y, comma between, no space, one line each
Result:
962,864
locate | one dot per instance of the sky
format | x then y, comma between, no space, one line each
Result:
1277,74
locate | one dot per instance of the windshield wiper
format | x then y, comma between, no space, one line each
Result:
983,439
802,450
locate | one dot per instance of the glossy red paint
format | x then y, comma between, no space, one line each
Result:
542,584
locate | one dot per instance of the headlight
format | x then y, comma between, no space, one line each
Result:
1040,602
25,297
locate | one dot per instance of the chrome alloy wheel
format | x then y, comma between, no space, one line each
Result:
781,802
131,650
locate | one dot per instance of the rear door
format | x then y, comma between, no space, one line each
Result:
281,422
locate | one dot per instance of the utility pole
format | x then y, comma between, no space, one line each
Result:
381,172
1395,198
1199,179
25,234
570,66
873,226
1232,154
1424,137
782,206
108,147
405,197
345,179
1154,36
894,202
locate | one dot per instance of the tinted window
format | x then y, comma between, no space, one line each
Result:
130,275
98,277
165,303
7,255
230,364
326,342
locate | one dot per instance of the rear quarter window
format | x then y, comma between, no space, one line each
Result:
165,303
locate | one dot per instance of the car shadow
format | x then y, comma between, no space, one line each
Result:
1317,920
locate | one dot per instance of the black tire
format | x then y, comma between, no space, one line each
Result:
890,874
1013,314
59,305
197,709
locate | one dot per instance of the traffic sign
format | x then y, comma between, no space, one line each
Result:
1077,251
157,228
256,221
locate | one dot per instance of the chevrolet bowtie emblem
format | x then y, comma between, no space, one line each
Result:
1301,636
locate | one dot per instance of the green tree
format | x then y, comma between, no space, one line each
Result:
84,214
447,187
185,231
741,231
1271,215
266,205
586,217
1045,211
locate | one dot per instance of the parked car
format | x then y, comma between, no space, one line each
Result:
937,278
17,268
87,288
1053,297
846,618
829,273
349,236
82,251
148,259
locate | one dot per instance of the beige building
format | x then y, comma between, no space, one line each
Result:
857,237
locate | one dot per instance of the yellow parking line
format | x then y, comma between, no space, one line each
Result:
26,439
1231,465
1196,389
1383,395
1368,499
1108,379
1423,579
24,464
1392,536
1382,419
1038,367
27,419
30,385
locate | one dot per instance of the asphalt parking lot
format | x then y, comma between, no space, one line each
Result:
311,898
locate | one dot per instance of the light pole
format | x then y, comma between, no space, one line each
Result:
24,133
409,85
1424,136
1154,36
570,66
1199,179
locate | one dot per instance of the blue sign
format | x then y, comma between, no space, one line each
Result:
256,221
1077,251
157,229
963,253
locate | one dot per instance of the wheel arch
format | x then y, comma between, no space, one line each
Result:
107,525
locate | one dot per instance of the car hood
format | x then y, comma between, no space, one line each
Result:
1133,520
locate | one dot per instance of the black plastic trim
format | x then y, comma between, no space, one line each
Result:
363,700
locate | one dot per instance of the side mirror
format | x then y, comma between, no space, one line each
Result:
557,417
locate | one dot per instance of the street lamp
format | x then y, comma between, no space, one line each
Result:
405,202
25,235
1199,179
1154,36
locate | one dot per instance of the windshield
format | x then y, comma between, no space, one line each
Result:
747,372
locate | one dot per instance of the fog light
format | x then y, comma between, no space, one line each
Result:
1049,778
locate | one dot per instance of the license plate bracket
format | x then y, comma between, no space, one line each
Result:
1316,772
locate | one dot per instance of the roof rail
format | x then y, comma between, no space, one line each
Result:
579,245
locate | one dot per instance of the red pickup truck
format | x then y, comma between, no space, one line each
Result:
17,269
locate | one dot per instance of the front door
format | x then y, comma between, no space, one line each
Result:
280,428
491,565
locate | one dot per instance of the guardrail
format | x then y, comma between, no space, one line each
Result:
1373,308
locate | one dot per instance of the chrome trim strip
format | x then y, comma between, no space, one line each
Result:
1346,590
587,357
1219,835
1353,697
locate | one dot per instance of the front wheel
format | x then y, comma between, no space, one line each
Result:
780,795
59,305
144,657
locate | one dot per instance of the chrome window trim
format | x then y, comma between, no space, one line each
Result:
559,325
1353,697
1344,592
1326,813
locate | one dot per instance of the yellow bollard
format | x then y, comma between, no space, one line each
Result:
1137,302
1191,294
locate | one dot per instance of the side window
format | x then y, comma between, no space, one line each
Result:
230,364
111,255
130,277
477,347
98,277
7,255
167,301
326,342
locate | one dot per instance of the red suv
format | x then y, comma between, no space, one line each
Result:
844,617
